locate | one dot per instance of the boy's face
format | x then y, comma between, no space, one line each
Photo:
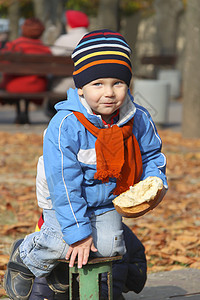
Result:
104,95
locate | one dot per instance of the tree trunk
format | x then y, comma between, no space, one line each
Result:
50,12
108,15
166,18
191,86
39,9
13,15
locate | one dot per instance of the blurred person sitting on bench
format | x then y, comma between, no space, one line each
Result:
28,43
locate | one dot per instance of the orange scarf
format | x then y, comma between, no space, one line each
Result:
118,154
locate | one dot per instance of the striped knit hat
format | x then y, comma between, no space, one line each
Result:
101,54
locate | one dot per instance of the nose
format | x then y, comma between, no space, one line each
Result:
109,91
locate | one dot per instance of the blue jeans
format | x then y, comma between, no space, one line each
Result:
41,250
131,272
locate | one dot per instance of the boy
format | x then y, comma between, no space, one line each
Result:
128,274
97,145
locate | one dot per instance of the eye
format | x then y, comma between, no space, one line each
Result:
97,83
119,82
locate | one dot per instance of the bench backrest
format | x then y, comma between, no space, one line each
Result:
26,64
159,60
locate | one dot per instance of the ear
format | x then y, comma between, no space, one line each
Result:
80,91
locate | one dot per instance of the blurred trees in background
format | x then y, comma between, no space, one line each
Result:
151,27
107,12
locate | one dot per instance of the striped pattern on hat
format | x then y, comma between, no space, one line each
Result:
101,54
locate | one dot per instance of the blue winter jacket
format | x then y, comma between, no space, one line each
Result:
70,162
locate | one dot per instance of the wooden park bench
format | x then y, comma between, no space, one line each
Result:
26,64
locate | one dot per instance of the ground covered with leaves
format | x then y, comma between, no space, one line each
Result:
170,233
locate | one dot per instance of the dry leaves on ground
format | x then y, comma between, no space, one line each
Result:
170,233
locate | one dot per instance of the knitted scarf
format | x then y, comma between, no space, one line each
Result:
118,154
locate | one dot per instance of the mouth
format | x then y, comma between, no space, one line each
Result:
109,103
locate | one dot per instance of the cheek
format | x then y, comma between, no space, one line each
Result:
92,97
91,100
121,99
123,96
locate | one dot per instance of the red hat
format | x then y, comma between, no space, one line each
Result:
76,18
32,28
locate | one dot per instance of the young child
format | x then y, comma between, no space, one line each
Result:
129,274
97,145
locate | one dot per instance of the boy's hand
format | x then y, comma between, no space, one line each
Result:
82,249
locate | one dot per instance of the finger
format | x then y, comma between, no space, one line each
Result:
85,256
67,256
72,258
80,259
93,248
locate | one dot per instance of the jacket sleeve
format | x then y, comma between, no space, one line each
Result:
64,178
154,161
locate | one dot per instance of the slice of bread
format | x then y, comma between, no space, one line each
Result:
140,198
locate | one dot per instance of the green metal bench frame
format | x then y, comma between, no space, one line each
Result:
89,278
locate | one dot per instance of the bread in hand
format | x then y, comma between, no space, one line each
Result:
140,198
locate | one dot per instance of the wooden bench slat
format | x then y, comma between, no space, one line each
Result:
37,58
158,60
42,65
36,69
12,96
